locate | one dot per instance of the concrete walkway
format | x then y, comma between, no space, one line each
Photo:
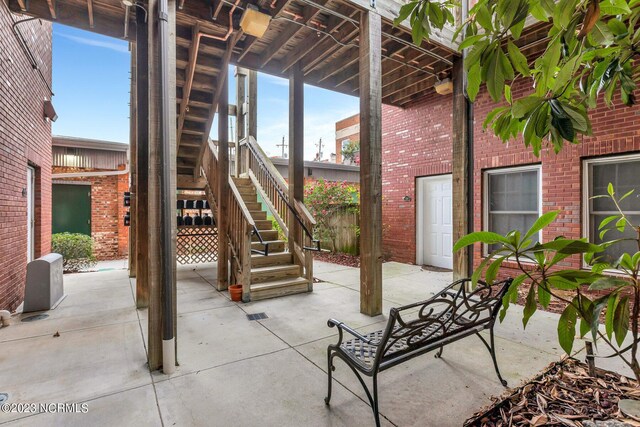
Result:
236,372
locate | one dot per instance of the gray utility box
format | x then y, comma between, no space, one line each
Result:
44,289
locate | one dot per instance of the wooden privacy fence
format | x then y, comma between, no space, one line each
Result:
343,226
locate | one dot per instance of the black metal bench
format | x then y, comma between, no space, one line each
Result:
415,329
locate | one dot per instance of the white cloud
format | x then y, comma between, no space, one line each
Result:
114,46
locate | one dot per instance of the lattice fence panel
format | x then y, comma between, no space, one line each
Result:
197,244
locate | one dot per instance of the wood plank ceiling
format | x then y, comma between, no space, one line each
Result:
322,35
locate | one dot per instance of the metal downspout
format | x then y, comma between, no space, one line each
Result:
470,166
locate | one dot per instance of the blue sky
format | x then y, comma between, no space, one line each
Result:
91,86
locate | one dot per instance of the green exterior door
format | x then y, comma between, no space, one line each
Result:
71,208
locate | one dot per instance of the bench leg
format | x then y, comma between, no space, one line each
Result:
492,350
438,355
373,400
330,369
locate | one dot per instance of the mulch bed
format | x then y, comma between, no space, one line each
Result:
341,259
562,395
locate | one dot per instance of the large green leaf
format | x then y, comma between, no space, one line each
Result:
607,282
524,106
486,237
566,73
530,306
621,320
518,60
495,76
541,222
614,7
567,328
473,81
612,304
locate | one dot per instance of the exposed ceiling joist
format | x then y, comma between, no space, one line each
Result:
190,72
52,8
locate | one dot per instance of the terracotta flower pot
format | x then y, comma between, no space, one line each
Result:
236,292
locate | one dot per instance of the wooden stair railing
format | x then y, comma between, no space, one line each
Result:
241,226
275,193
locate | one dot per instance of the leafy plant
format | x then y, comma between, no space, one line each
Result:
324,199
76,250
590,51
350,149
541,266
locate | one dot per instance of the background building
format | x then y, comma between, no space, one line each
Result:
89,181
347,130
511,186
25,151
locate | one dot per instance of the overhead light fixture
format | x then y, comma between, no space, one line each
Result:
49,111
254,22
444,87
128,3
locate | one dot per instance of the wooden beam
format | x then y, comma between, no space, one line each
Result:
154,209
296,151
311,41
188,182
133,164
222,82
414,91
191,70
370,164
223,188
329,46
460,170
90,12
309,12
142,160
241,123
252,113
75,16
52,8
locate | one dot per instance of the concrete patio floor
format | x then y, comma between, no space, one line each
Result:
236,372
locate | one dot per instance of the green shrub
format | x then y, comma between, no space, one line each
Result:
76,250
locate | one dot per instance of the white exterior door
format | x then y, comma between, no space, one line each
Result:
434,221
31,179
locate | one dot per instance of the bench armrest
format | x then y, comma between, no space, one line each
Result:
343,327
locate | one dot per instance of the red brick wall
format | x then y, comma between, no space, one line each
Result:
25,139
109,234
411,149
417,142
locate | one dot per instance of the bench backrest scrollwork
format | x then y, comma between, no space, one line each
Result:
455,310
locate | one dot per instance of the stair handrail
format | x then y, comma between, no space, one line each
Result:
298,209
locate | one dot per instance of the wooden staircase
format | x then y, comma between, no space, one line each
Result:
267,261
274,274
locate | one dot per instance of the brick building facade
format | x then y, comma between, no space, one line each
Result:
417,143
346,130
102,168
25,142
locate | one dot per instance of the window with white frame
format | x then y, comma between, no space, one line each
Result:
512,200
622,173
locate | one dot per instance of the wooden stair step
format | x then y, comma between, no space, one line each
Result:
266,235
274,272
249,197
279,288
279,258
243,182
253,206
275,246
263,224
258,214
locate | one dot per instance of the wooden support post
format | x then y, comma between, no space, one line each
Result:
370,163
252,112
223,183
156,198
132,165
142,161
460,169
241,124
296,152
